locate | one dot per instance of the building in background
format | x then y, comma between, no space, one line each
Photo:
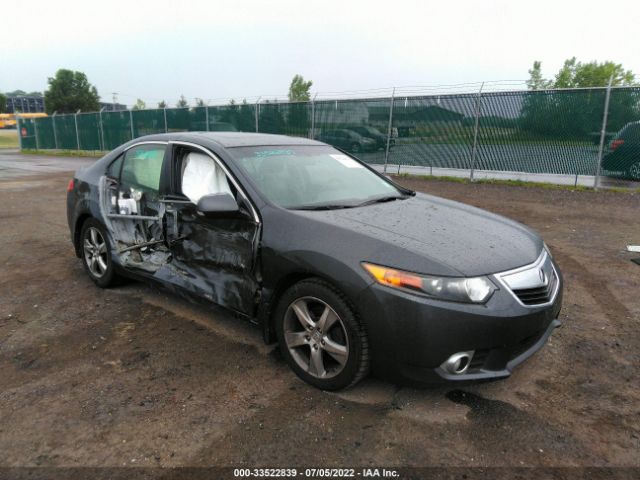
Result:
24,103
17,102
112,107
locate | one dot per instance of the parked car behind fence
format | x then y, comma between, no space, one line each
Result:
624,152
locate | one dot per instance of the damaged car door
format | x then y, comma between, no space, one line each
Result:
133,210
214,254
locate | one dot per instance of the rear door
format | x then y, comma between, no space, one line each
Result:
131,201
213,257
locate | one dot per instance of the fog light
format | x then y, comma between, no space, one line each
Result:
458,363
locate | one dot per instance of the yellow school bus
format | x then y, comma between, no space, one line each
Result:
8,120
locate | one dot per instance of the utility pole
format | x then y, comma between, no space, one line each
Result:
115,100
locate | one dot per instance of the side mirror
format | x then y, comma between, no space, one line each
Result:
219,205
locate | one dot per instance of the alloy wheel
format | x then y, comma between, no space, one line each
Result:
95,252
634,171
316,337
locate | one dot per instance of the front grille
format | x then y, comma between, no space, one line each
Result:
538,295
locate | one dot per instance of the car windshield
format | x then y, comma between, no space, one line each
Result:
312,177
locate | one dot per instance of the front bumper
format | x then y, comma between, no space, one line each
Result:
411,336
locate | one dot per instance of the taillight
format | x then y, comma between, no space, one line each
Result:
616,143
70,186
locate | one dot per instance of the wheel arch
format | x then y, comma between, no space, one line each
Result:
77,230
267,317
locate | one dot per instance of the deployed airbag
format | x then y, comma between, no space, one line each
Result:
202,176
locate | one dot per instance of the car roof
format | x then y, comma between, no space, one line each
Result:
231,139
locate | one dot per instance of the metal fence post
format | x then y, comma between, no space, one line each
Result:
164,110
75,121
603,133
386,152
257,110
313,116
206,116
131,123
102,145
474,150
19,129
55,133
35,132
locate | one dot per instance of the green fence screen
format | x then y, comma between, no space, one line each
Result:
549,131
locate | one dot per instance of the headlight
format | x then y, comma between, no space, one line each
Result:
455,289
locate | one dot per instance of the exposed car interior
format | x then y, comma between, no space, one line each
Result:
134,209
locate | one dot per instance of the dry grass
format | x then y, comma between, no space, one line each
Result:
8,139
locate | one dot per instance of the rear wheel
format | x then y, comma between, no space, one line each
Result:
96,253
321,337
634,171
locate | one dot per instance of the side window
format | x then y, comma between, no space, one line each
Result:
142,167
202,176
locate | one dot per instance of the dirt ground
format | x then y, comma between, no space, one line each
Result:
135,376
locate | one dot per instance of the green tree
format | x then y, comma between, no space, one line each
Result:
139,105
3,103
162,104
574,74
200,102
69,92
182,102
536,81
577,114
299,89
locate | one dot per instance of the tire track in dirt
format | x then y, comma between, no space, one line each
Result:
615,311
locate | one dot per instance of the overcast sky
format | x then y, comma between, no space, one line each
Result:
244,48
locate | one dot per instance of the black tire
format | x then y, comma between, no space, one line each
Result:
108,276
634,171
357,362
355,148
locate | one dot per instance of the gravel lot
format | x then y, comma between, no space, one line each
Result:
136,376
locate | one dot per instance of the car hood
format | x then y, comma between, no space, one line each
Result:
428,234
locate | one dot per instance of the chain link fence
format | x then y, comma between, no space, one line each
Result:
562,133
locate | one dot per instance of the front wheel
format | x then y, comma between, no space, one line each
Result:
320,336
96,253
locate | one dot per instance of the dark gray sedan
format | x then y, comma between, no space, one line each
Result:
346,270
